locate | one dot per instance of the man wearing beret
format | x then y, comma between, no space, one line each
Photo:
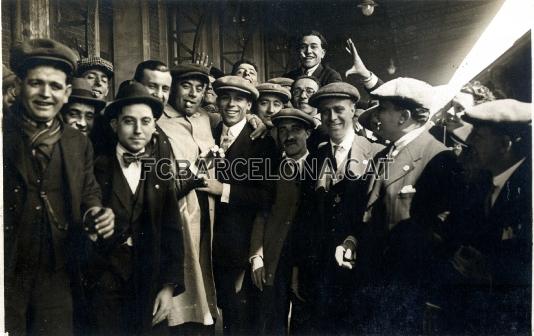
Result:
141,267
240,198
270,250
330,197
491,244
407,198
98,72
50,196
311,50
82,108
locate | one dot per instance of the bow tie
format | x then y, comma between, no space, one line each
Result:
129,158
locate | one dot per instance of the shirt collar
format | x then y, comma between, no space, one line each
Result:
310,71
170,112
121,150
346,143
409,137
500,180
236,129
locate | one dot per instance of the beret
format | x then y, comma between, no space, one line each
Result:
338,90
190,70
82,92
235,83
274,89
95,62
133,92
27,53
295,114
284,81
404,88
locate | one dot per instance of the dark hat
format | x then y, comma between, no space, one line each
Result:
294,114
31,52
275,89
95,62
284,81
190,70
216,72
235,83
337,90
133,92
81,92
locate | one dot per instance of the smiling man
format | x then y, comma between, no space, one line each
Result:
246,69
98,72
311,50
271,101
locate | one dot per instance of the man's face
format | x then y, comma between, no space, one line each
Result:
248,72
292,135
80,116
158,84
189,94
134,126
267,106
336,115
311,51
210,97
303,89
98,81
385,121
233,107
9,95
484,148
43,92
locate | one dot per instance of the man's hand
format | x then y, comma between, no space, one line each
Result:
258,272
260,130
359,70
103,221
202,59
162,304
212,186
472,264
346,254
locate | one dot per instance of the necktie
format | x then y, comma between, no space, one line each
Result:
129,158
337,154
226,140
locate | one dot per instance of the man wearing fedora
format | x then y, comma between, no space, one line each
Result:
140,268
330,198
240,198
81,110
50,196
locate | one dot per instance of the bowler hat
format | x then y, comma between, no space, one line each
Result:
275,89
133,92
33,52
95,62
335,90
235,83
81,92
293,114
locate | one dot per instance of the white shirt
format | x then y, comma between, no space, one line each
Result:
501,179
406,139
299,161
343,147
233,132
310,71
132,173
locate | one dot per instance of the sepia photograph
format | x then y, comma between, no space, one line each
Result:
266,167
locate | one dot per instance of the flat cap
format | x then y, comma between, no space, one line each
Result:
276,89
404,88
82,92
133,92
284,81
293,114
190,70
235,83
34,51
95,62
338,90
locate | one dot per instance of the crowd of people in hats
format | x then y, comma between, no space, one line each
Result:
155,212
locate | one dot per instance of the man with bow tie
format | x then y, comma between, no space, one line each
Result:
141,268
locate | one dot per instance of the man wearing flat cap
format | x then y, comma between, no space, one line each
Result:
272,99
50,195
141,267
407,197
491,245
82,108
98,72
240,198
270,250
330,197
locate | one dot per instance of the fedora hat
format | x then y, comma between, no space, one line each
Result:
133,92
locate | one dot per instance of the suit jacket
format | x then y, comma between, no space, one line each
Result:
157,241
323,73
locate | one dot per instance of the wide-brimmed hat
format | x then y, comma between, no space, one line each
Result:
133,92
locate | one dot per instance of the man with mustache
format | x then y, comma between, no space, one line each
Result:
330,198
311,50
98,72
81,110
53,214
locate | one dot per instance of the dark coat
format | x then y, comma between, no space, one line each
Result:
323,73
158,241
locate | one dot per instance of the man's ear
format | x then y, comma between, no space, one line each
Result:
308,133
405,115
68,91
249,105
113,124
506,143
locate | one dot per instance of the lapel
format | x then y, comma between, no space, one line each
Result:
217,132
240,143
317,73
517,187
72,160
120,187
359,152
407,159
14,149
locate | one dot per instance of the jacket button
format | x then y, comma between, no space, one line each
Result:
38,208
156,186
16,190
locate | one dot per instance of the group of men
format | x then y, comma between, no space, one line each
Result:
278,207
